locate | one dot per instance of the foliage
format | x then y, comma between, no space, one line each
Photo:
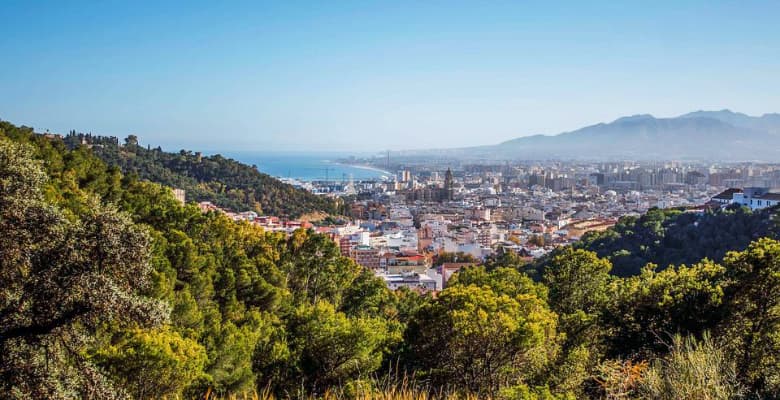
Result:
654,305
217,179
481,340
671,237
580,286
692,370
578,281
536,240
505,258
110,288
335,348
752,328
60,280
233,290
153,363
459,257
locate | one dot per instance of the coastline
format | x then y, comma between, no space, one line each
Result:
363,166
306,167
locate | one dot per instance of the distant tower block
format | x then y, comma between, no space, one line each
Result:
179,195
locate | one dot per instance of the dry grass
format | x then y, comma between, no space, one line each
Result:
402,393
699,370
620,379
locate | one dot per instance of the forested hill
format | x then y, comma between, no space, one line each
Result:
222,181
111,289
674,237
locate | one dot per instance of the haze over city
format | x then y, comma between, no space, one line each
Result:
357,76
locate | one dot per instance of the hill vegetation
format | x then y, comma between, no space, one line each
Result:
110,289
222,181
674,237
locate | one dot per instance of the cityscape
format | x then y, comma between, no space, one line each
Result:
397,227
390,200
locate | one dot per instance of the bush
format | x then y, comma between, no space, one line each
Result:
694,369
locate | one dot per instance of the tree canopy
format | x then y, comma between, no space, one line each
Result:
673,237
112,289
222,181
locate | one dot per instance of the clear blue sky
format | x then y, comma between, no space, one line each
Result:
365,75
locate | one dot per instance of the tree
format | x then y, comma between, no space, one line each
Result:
536,240
578,280
648,309
131,141
501,280
579,290
459,257
368,295
482,341
62,279
230,362
334,348
579,285
222,181
753,309
316,270
672,237
156,363
504,258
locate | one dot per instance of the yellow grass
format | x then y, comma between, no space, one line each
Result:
391,394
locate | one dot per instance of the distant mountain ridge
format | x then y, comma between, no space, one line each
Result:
768,122
704,135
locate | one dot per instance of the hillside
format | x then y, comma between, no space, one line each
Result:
702,135
112,289
222,181
673,237
694,136
766,122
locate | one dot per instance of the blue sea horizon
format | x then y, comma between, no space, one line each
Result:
305,166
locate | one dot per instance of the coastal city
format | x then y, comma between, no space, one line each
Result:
400,226
390,200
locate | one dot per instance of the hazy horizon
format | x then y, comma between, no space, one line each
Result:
361,78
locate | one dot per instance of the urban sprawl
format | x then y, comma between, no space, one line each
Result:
396,227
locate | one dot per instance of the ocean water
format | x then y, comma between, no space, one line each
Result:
305,166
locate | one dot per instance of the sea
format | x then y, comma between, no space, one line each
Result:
307,167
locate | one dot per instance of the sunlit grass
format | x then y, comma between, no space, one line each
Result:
401,393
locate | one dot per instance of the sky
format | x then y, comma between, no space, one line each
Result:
374,75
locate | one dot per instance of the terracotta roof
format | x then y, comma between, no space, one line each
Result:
727,194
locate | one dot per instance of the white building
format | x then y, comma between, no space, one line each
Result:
754,197
410,280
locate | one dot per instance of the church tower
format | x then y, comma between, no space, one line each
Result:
448,185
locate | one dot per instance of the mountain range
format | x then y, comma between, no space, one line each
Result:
700,135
